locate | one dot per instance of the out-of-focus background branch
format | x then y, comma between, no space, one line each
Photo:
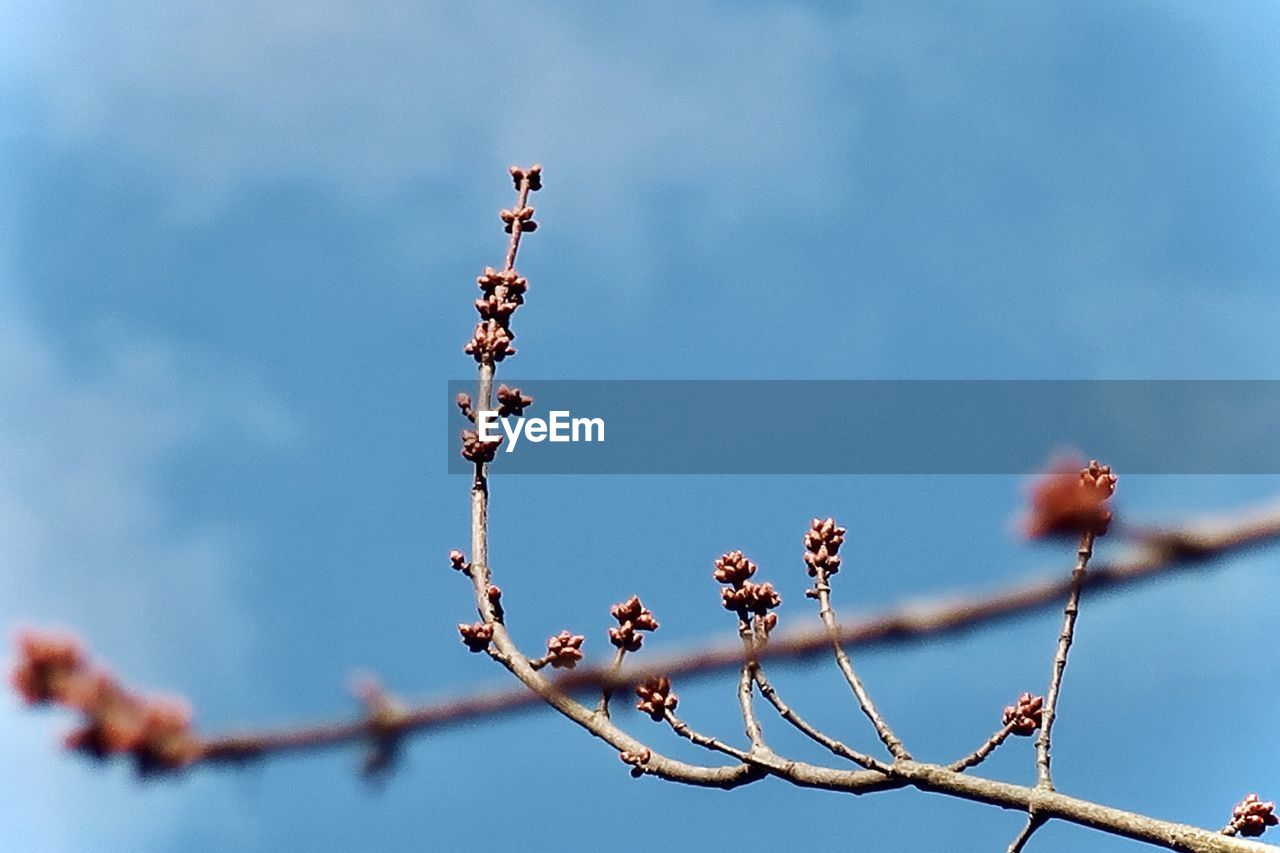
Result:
1199,545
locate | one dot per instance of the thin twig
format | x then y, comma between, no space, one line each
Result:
1043,740
682,728
980,754
746,681
770,693
1028,829
606,689
822,589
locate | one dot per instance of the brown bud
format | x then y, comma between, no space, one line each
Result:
637,760
48,663
1251,817
1024,717
490,343
821,545
564,650
476,637
733,568
656,698
634,612
1070,501
490,280
751,597
626,637
495,308
457,560
475,450
512,402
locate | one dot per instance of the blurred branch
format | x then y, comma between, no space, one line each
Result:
1155,553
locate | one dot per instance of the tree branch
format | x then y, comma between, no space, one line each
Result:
1159,553
1043,740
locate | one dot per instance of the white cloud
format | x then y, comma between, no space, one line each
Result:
88,540
367,95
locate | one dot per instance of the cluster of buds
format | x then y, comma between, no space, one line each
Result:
1024,716
656,698
490,343
457,560
512,402
633,618
521,217
564,650
155,731
476,449
1071,501
477,636
733,568
636,760
1251,817
743,595
755,598
533,174
502,291
822,543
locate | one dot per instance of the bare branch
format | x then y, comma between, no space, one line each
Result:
1028,829
1044,776
784,710
980,754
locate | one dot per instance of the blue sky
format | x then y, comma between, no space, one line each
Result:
237,246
